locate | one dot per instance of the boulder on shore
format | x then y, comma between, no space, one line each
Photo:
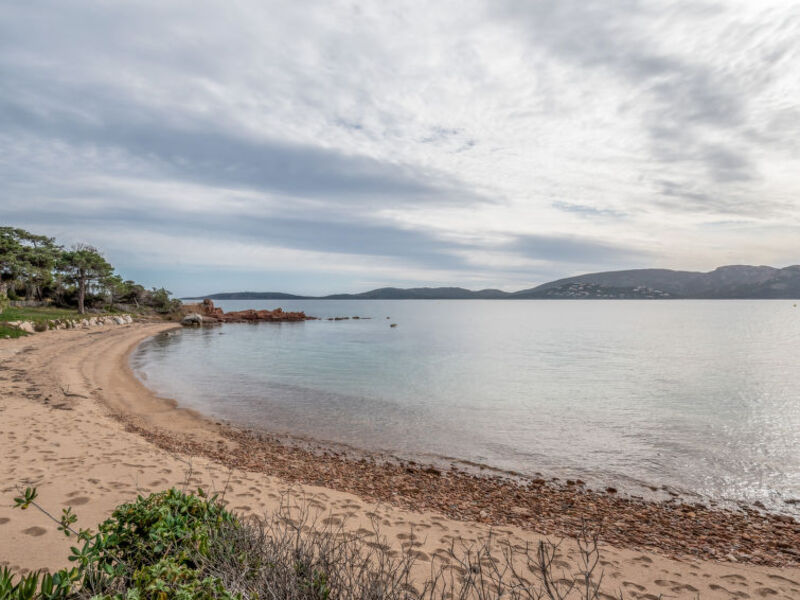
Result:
192,320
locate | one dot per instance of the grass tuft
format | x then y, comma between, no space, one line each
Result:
10,332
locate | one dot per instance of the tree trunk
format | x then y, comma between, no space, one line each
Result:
81,292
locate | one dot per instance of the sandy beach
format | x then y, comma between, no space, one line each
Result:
76,423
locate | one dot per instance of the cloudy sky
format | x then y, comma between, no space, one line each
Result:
319,147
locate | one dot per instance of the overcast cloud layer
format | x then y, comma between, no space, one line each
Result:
339,146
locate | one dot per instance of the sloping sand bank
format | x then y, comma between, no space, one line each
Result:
69,411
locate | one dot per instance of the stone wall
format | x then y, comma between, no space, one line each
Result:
86,323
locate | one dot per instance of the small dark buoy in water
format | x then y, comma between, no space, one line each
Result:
388,317
393,325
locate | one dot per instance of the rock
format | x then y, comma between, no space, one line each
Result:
118,320
128,319
254,316
26,326
192,320
783,519
210,314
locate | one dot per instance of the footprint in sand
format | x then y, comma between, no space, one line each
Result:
363,531
645,560
77,501
4,520
779,578
635,586
34,531
676,586
719,588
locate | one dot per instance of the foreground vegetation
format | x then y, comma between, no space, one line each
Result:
37,269
174,545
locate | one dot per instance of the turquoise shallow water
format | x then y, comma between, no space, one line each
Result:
702,396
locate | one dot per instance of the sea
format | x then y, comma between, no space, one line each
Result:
695,397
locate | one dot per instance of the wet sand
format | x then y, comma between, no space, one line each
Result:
77,424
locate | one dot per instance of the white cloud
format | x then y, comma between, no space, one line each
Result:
630,124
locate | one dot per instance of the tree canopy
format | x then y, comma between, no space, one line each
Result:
35,267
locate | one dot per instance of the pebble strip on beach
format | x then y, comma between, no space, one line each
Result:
673,527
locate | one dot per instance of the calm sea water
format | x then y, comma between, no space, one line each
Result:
701,396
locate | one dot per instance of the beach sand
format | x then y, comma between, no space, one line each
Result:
69,411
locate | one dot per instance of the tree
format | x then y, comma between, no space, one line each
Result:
161,302
39,256
126,291
10,250
135,293
84,265
26,259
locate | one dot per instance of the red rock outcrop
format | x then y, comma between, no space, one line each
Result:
213,314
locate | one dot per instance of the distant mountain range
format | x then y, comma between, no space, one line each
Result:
733,281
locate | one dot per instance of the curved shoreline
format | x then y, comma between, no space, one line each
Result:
670,526
626,486
61,389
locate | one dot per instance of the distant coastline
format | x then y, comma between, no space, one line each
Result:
728,282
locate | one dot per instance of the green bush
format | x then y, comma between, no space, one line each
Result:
167,521
146,550
167,580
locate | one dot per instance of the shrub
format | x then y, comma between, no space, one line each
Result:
177,546
168,579
147,549
166,521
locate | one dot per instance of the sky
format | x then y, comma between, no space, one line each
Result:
325,147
